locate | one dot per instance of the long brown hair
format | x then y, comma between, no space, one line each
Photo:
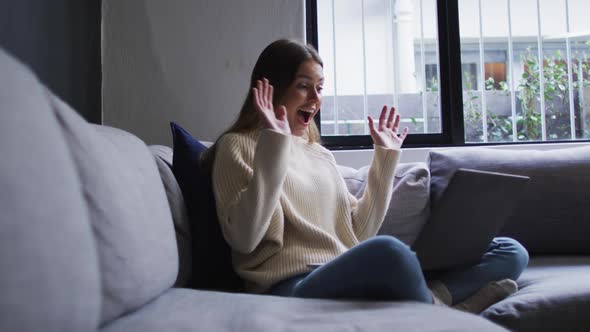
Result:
278,63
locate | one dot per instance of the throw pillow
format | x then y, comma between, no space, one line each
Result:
409,207
211,254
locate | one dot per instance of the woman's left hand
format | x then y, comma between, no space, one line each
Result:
385,134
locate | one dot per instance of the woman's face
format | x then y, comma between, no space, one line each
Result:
303,97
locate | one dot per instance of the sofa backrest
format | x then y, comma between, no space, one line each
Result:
128,211
49,275
87,233
553,215
163,156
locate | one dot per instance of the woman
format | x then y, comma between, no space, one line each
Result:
284,208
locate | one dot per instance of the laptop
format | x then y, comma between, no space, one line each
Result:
469,214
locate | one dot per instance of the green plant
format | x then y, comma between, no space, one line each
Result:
499,128
556,94
432,85
528,93
490,82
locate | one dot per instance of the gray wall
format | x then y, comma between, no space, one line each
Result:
187,61
60,41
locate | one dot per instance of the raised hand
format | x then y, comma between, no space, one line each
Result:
385,134
275,120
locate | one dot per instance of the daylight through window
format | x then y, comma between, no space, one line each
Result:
524,67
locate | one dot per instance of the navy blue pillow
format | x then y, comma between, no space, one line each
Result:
212,268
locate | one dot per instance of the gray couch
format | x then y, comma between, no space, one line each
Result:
552,220
93,236
88,240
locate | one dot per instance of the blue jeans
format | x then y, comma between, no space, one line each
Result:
384,268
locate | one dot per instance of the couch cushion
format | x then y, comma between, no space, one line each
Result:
191,310
163,156
553,215
211,254
409,206
128,211
554,295
49,278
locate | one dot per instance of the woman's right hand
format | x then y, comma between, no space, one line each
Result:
275,120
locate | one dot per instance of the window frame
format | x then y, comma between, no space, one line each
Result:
451,90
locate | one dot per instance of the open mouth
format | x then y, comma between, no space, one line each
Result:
304,116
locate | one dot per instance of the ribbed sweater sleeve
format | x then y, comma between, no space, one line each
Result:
369,211
247,190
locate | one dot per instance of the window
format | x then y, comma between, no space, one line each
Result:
459,71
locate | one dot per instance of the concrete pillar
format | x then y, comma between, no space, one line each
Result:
404,48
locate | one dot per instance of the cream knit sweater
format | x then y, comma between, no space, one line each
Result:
282,204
